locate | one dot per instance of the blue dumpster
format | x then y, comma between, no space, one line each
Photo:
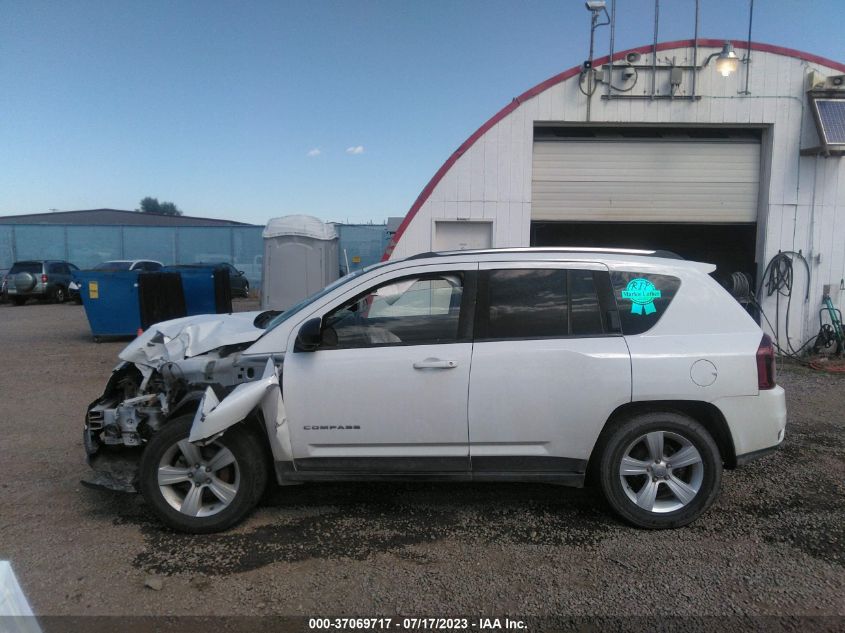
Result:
206,288
111,302
198,285
121,303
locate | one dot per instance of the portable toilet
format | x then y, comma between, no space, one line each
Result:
301,257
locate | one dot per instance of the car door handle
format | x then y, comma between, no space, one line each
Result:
435,363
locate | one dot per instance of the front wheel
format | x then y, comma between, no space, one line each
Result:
202,489
660,470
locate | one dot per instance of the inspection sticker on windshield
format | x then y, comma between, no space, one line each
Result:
642,293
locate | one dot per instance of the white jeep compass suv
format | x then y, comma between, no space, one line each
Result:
633,369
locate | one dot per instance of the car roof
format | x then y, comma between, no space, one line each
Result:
616,256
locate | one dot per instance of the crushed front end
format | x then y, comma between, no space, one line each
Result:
163,375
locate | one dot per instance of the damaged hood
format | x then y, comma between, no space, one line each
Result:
190,336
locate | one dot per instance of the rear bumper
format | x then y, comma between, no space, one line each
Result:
757,423
38,291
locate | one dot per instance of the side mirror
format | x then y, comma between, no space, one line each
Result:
240,273
309,337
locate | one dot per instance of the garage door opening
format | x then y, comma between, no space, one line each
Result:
730,246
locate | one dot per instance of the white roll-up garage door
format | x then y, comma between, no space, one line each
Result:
654,180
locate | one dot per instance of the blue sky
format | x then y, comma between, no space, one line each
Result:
216,106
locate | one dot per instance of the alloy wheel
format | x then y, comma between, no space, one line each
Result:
198,481
661,471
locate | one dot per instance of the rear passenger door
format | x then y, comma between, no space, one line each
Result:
549,366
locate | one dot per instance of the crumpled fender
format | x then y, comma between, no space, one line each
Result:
214,416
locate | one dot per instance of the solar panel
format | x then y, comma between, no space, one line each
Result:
832,120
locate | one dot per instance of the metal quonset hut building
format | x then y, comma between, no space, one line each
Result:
675,156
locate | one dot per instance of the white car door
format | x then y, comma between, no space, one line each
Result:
386,390
549,366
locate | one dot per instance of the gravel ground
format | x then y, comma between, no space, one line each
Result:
774,543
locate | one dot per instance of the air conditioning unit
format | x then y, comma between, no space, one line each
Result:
835,82
815,80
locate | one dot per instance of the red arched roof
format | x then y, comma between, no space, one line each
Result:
566,74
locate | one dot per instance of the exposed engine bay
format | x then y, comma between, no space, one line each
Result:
166,373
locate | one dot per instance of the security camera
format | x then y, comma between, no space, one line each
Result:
595,5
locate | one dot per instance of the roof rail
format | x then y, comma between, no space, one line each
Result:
551,249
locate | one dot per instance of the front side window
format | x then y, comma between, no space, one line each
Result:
408,311
642,298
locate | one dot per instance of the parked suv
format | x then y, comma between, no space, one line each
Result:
47,279
627,369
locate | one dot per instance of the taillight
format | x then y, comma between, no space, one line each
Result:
766,364
43,278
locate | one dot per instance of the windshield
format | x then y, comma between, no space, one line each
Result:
284,316
113,266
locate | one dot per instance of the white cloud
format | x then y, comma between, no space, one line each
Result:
314,152
355,149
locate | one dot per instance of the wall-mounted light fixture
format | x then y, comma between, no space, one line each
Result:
727,61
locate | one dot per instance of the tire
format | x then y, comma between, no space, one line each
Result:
59,294
655,494
246,291
241,482
19,301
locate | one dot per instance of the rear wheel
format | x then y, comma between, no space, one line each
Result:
202,489
660,470
246,290
59,294
19,301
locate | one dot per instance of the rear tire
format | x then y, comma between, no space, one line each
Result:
59,295
643,485
209,498
19,301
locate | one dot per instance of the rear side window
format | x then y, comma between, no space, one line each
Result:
642,298
527,303
586,314
535,303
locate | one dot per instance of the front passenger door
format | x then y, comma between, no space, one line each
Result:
386,391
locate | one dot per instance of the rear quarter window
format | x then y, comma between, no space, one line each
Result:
642,298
